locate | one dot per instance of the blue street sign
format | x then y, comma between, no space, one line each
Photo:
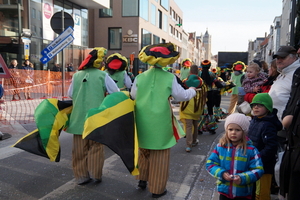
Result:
57,40
26,46
48,56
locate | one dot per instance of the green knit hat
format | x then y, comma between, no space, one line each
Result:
264,99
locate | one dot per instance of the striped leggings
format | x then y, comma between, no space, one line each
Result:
154,168
87,158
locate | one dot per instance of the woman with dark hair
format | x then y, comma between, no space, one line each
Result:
272,75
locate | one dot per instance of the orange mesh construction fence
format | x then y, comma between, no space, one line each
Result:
26,89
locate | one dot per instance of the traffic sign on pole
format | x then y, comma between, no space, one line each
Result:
57,40
48,56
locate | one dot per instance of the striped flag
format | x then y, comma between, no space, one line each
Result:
113,124
51,116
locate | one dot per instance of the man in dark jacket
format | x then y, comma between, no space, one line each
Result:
263,133
290,165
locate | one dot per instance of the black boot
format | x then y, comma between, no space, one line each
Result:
142,184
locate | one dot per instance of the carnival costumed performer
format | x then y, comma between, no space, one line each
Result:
185,68
151,91
236,77
116,67
207,120
87,90
190,111
218,111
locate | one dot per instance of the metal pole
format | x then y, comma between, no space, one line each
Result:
62,57
20,52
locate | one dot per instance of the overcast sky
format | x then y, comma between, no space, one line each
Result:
231,23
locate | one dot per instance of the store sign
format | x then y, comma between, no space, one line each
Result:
130,37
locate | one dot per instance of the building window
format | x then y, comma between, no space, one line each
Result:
165,23
156,39
39,16
115,39
153,14
33,13
106,12
165,4
130,8
146,38
144,9
171,30
160,20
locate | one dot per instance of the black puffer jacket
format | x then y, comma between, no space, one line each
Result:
263,133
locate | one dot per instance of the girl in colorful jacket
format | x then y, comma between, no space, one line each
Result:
235,162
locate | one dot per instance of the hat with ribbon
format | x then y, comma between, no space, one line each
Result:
159,55
94,59
116,62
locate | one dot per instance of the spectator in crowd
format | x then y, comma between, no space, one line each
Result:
290,165
70,67
56,67
15,79
272,75
235,162
264,66
253,81
28,78
87,90
263,133
151,91
13,64
287,62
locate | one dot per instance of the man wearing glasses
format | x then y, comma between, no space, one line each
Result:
287,62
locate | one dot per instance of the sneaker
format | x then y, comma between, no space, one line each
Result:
196,143
188,149
212,132
142,184
159,195
200,132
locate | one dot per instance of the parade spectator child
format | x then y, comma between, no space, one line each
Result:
253,81
190,111
235,162
263,133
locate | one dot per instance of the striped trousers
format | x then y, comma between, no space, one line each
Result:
154,168
87,159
